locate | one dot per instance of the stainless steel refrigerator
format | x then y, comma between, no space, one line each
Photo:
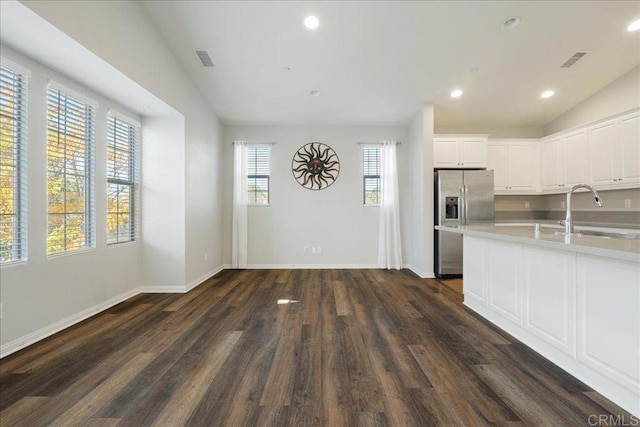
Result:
461,197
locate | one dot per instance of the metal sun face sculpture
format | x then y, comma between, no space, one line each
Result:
315,166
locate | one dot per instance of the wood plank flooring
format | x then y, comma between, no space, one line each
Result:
361,347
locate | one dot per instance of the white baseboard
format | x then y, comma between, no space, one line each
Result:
161,290
203,278
47,331
311,266
40,334
420,273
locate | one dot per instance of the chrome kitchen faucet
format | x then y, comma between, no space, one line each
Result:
568,221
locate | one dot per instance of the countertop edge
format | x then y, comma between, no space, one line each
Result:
568,247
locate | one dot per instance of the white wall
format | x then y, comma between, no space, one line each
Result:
415,207
494,131
181,180
162,202
621,95
42,292
333,218
123,35
420,149
427,190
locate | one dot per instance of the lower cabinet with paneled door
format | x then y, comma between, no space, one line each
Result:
582,312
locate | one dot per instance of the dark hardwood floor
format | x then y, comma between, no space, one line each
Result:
361,347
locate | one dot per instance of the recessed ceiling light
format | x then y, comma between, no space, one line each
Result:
456,93
547,94
511,23
311,22
315,93
635,26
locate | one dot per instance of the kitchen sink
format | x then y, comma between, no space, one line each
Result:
611,234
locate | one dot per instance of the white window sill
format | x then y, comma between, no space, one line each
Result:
71,253
15,263
122,244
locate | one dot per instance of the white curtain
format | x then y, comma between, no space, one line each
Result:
389,246
240,201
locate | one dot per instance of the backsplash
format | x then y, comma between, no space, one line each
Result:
549,207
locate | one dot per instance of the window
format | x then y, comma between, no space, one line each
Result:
70,173
371,173
259,168
13,162
122,180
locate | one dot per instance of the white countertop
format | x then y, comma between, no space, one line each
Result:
622,249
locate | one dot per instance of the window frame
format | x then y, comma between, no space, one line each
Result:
18,76
89,175
133,153
257,176
370,176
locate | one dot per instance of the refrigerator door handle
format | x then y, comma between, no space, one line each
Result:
462,206
466,204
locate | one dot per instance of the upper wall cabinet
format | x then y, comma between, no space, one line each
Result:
614,152
515,165
563,161
604,154
460,151
629,165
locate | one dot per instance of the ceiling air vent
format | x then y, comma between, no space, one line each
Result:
576,56
205,58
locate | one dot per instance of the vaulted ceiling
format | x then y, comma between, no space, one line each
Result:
377,62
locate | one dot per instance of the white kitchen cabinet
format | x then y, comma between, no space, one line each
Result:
573,158
606,342
603,155
614,152
515,165
475,283
564,161
503,262
460,151
629,165
551,177
498,162
549,295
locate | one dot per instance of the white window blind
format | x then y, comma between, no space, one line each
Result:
70,173
122,180
371,172
259,169
13,165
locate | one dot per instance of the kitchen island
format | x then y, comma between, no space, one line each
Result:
573,299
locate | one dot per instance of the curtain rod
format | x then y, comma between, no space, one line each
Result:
376,143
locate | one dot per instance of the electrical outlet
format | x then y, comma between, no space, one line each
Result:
627,203
563,204
527,205
314,250
319,249
306,249
206,257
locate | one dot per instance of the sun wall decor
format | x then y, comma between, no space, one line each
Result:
315,166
